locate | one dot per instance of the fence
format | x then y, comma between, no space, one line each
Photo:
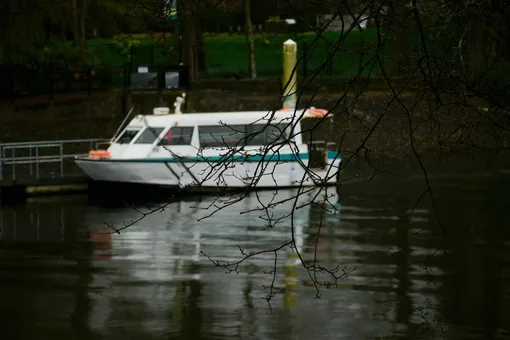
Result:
39,160
50,82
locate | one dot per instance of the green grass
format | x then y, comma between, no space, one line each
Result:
227,54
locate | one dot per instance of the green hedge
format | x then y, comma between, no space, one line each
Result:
227,54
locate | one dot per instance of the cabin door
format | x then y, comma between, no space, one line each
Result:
315,137
318,154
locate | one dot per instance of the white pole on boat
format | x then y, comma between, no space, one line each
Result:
289,74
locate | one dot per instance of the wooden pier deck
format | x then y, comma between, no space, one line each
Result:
15,191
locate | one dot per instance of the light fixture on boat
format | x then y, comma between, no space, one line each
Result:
159,111
178,103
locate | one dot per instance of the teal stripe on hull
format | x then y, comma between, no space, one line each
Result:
334,155
255,158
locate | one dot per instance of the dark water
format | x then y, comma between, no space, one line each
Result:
152,281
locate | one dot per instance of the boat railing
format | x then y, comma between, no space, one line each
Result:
34,160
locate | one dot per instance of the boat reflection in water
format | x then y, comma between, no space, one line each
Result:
189,240
210,225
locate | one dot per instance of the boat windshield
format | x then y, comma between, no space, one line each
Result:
149,135
127,136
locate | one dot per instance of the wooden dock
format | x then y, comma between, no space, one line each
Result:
18,191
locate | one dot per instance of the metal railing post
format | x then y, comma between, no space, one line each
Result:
30,155
1,168
1,224
61,159
37,162
13,165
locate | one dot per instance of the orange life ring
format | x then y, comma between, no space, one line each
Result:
312,111
317,112
99,154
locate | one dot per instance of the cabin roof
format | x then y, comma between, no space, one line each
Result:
205,118
214,117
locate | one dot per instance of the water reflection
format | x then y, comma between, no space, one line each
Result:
153,280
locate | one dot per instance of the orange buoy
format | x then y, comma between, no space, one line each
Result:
99,154
93,154
104,154
311,111
317,112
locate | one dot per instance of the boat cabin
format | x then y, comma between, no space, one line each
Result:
163,134
177,150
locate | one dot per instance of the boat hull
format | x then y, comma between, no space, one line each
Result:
206,175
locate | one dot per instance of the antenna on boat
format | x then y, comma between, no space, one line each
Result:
121,126
178,103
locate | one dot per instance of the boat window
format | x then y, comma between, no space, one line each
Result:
178,136
276,133
261,134
127,136
220,135
149,135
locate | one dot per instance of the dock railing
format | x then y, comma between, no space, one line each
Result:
43,159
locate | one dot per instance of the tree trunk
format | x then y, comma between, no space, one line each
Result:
76,24
478,48
249,39
403,38
83,16
199,47
189,38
